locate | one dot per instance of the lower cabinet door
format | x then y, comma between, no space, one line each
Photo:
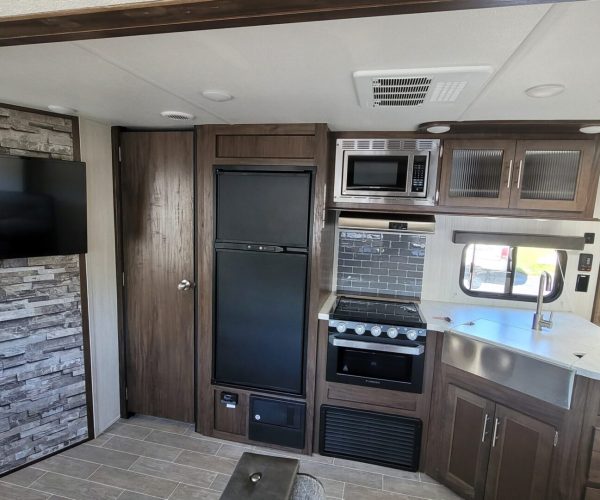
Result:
520,457
467,448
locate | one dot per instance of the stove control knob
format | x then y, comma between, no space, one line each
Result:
341,328
359,329
412,334
376,331
392,332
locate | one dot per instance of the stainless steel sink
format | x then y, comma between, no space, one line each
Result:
537,378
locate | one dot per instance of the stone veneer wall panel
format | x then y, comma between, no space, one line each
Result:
43,405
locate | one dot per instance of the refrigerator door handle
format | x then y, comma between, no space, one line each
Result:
254,247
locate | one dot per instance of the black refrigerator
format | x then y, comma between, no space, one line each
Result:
261,268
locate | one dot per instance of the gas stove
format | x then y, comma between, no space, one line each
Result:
378,318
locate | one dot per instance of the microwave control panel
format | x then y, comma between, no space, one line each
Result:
418,174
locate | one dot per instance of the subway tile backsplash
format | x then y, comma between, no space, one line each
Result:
380,264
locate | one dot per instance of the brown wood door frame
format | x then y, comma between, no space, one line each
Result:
116,133
508,148
584,178
543,455
482,433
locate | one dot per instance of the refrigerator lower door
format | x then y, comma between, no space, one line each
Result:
260,319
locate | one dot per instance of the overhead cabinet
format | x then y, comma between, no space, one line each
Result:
524,174
493,452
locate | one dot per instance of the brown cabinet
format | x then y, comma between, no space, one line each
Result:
494,452
231,417
544,175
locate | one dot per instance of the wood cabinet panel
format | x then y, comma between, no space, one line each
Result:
231,420
594,470
377,397
266,146
466,450
552,175
520,458
476,173
592,494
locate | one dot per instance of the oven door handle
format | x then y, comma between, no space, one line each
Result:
373,346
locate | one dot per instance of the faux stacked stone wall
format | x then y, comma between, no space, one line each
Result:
42,375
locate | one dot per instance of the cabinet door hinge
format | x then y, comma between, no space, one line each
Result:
555,438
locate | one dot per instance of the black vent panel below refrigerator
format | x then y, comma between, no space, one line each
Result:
366,436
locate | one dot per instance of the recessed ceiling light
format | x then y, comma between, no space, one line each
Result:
177,115
438,129
217,95
546,90
63,110
590,129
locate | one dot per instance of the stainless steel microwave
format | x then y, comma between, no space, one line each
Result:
402,171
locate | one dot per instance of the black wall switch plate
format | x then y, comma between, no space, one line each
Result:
583,281
585,262
589,237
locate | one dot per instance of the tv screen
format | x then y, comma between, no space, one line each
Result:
42,207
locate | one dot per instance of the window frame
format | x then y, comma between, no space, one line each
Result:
557,291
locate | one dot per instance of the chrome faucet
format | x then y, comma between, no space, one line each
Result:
538,318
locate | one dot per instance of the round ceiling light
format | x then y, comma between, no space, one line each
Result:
590,129
63,110
438,129
177,115
217,95
546,90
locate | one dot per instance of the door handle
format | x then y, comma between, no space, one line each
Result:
510,168
519,174
495,437
485,424
185,285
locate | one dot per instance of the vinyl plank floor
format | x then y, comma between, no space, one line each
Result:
74,488
24,477
147,458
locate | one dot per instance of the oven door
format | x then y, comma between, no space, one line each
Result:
377,173
382,363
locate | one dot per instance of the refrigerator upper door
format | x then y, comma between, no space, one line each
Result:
259,324
263,207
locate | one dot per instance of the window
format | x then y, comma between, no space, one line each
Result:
513,273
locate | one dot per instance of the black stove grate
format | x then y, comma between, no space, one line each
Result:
378,311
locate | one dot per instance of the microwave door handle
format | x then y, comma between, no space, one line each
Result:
373,346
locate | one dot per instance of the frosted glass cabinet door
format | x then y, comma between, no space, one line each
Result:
477,173
552,175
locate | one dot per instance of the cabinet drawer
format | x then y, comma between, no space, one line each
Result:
231,419
377,397
594,471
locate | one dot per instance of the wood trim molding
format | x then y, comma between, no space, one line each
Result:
190,15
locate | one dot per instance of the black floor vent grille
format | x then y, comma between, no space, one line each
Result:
370,437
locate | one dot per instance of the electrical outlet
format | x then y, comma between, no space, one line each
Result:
582,283
585,262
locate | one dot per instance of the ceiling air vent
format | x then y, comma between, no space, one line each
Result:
420,87
177,115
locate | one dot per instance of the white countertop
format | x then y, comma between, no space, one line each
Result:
511,328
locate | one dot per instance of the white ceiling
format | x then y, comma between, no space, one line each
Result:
303,72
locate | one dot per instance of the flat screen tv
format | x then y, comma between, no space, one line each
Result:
42,207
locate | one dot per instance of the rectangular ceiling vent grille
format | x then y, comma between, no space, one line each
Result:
388,144
447,90
400,91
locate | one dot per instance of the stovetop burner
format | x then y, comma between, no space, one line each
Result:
379,311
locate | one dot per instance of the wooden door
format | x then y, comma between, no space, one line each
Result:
157,200
477,173
468,420
520,459
552,175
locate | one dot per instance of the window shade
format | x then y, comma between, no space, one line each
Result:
520,240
